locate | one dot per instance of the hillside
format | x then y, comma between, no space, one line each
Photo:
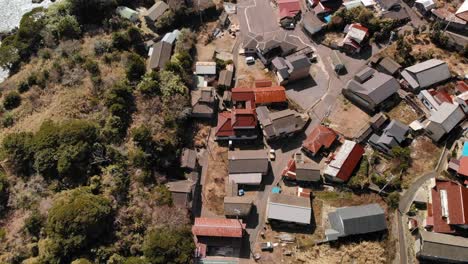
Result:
88,137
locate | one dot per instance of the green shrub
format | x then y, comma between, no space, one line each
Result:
120,102
8,120
34,223
149,86
91,11
361,179
17,149
68,27
135,67
163,195
172,85
12,100
101,47
142,136
81,261
393,199
3,191
169,245
136,260
78,220
92,67
23,87
120,41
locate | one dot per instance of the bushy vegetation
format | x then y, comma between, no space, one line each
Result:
12,100
77,221
361,179
3,191
165,245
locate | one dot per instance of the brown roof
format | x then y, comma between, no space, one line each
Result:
184,186
457,202
263,83
462,86
242,94
225,78
160,56
157,10
321,136
218,227
267,95
463,169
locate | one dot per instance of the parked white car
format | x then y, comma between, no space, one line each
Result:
250,60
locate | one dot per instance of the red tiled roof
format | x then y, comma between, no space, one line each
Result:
360,27
463,169
350,163
218,227
263,83
268,95
242,94
243,118
462,86
443,96
288,8
224,127
321,136
457,202
290,167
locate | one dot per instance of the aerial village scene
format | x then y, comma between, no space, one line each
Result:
223,132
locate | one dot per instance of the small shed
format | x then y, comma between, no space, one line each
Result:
205,68
308,172
127,13
291,209
237,206
182,192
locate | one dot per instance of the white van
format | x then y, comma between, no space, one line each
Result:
250,60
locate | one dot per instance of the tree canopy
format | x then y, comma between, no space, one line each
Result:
168,245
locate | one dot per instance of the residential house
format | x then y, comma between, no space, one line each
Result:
343,162
355,220
188,160
290,209
434,247
392,9
276,125
320,139
156,11
388,66
248,166
238,124
205,68
433,99
311,24
203,102
370,89
377,121
449,19
355,38
449,208
127,13
289,11
160,54
424,6
238,206
225,77
425,74
444,120
462,11
393,135
462,100
171,37
291,69
183,193
456,41
274,45
301,171
218,237
258,96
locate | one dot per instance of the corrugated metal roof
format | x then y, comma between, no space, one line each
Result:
288,8
358,219
246,178
427,73
248,161
378,88
205,68
289,208
443,247
157,10
457,202
242,94
448,115
218,227
345,161
268,95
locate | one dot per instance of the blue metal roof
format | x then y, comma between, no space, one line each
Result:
276,190
465,149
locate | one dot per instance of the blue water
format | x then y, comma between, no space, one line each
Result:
465,149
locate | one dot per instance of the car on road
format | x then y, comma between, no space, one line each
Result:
266,246
272,154
250,60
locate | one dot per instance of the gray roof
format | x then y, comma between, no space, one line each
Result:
388,4
289,208
225,78
202,100
443,247
312,23
396,130
448,115
157,10
237,205
426,73
205,67
248,161
364,74
378,88
309,171
160,56
275,124
281,67
188,158
356,220
389,66
298,62
184,186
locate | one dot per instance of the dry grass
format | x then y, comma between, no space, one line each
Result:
403,112
216,178
340,118
424,155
